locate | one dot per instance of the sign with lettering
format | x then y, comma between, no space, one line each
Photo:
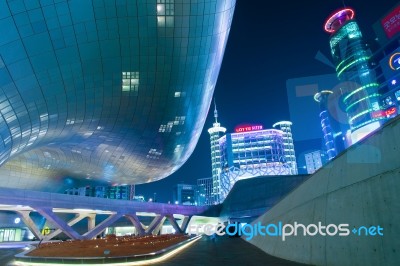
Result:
247,128
390,111
391,23
377,114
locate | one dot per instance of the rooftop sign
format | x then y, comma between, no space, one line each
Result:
247,128
391,23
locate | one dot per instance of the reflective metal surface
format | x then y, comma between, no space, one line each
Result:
105,91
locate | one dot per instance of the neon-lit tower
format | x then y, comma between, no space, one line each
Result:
285,127
351,57
215,134
329,140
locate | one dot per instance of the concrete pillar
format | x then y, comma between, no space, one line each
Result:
174,224
158,228
153,225
136,223
62,225
29,222
102,226
78,217
185,223
91,221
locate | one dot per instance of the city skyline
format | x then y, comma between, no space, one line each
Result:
251,87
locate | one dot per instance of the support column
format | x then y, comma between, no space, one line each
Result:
62,225
159,227
174,224
185,223
102,226
30,223
136,223
78,217
91,221
153,225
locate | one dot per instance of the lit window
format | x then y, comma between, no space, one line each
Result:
130,81
165,13
154,154
179,94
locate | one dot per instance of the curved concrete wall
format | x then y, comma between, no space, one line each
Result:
250,198
361,187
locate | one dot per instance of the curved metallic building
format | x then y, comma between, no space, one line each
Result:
105,91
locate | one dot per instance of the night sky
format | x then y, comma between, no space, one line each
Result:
268,44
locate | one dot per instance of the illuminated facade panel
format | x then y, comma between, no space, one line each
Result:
249,154
290,155
105,91
314,161
205,191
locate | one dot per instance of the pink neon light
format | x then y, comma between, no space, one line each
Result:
391,23
247,128
330,24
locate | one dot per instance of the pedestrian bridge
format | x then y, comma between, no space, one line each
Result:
49,205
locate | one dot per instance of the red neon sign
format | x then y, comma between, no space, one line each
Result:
390,111
391,23
377,114
247,128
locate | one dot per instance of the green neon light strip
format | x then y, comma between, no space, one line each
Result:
359,89
340,64
363,99
364,58
368,122
360,114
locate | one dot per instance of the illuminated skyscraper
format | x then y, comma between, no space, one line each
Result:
285,127
251,151
351,57
329,140
215,133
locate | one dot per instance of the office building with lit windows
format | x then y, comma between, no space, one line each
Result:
185,194
285,127
205,191
315,160
252,151
352,57
105,92
125,192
